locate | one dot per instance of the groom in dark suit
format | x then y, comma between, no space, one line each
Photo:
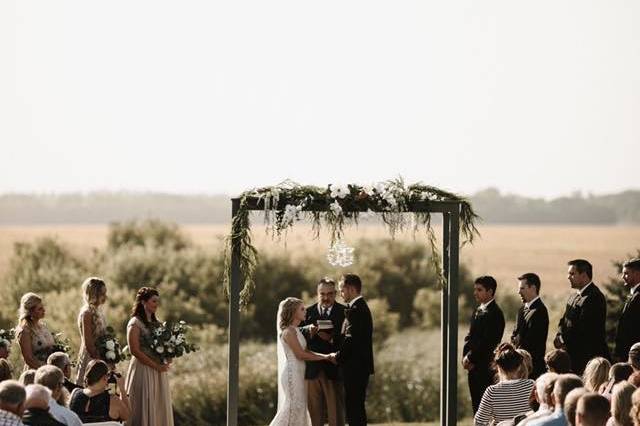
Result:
356,352
325,392
582,327
628,331
485,333
532,325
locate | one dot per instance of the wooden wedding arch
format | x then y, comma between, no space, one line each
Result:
457,217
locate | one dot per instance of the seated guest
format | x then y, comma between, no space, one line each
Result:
12,396
558,361
27,377
53,379
510,396
634,379
527,363
596,373
621,405
36,406
593,410
543,390
62,361
5,370
635,407
565,383
619,372
5,349
94,403
634,356
571,404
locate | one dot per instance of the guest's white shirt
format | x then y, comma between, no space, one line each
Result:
63,414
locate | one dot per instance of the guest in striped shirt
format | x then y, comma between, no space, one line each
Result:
12,396
510,396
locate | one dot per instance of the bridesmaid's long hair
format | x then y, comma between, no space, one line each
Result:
143,295
92,289
28,302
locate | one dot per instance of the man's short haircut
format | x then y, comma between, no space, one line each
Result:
5,370
532,280
59,359
327,281
12,393
37,393
558,361
50,376
571,404
632,264
488,282
565,384
634,356
593,409
352,280
582,266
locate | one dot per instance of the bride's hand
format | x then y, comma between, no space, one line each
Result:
332,358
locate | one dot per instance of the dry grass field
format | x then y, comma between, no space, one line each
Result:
503,250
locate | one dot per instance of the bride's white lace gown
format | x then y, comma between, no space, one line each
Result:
292,388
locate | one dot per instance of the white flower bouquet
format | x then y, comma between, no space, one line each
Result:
108,347
168,340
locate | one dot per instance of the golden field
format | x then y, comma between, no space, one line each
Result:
504,251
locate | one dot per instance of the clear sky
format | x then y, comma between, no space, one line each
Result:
538,98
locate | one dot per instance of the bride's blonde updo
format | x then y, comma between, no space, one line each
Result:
28,303
287,310
92,290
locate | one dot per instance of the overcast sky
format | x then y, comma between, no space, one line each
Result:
537,98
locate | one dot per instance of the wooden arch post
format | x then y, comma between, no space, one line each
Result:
450,211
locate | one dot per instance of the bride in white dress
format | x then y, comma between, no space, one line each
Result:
292,353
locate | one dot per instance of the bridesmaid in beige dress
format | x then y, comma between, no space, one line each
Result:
147,379
33,335
91,323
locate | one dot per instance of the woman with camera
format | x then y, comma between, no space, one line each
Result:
94,403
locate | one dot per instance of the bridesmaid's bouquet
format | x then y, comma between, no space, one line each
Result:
108,347
168,340
60,344
7,336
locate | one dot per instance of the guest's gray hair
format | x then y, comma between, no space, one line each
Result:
541,385
12,393
37,396
59,359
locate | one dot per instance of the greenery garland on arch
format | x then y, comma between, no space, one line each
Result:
334,207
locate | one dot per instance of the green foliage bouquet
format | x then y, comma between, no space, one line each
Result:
168,340
109,347
60,344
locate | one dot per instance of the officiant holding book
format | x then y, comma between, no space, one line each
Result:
322,328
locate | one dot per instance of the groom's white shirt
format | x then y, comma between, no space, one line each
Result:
350,304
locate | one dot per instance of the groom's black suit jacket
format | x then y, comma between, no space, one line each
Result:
356,351
530,334
316,344
628,331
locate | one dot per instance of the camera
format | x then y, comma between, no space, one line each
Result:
113,376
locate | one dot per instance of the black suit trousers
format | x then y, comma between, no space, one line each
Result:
355,393
480,378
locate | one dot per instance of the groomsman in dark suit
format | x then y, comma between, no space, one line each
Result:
485,333
356,352
628,331
532,325
581,330
325,392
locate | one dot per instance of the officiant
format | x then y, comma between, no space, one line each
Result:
322,327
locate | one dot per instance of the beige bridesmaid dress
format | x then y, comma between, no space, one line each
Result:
148,389
99,328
